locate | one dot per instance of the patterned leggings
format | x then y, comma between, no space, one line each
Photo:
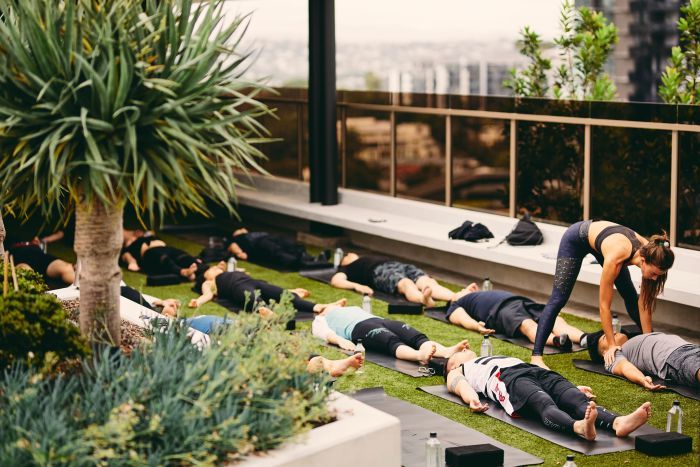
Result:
574,246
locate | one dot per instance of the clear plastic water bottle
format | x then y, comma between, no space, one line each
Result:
617,326
359,348
486,285
212,242
367,304
486,347
231,265
569,461
338,257
675,417
43,245
434,454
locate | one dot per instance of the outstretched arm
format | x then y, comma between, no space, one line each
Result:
207,295
320,329
462,318
130,261
54,237
457,384
340,281
630,372
238,251
611,269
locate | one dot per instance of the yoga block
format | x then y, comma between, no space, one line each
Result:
405,309
438,364
479,454
663,444
164,279
291,325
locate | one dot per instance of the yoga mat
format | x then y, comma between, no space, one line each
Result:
417,423
606,441
521,341
325,275
687,391
229,305
402,366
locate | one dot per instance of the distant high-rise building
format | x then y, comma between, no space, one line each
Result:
647,30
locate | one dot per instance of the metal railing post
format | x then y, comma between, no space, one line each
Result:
448,161
513,167
343,146
587,172
300,141
674,187
392,154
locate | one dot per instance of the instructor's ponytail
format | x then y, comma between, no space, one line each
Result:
657,253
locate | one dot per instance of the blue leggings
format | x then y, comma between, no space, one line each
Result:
572,249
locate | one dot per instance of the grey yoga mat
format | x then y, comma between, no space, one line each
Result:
687,391
521,341
325,275
231,306
606,441
402,366
417,423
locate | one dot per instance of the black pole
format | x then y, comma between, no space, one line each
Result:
323,146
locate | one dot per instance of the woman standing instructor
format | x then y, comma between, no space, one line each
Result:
615,247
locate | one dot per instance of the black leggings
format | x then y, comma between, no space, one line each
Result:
260,292
165,260
560,415
573,247
135,296
279,250
386,335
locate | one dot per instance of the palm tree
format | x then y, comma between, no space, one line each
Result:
105,103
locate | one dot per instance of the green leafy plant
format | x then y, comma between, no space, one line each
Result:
111,102
586,42
32,326
168,402
680,82
28,281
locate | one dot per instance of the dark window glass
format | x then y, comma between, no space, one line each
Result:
549,181
631,177
282,155
480,163
368,150
688,227
420,156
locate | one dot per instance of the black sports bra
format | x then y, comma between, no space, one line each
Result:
615,229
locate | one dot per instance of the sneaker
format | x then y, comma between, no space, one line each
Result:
563,342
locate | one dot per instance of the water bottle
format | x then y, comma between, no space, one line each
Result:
675,417
617,326
434,455
337,257
212,242
569,461
359,348
487,285
367,304
486,347
43,246
231,265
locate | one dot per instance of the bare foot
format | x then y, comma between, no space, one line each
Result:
426,352
539,361
265,312
320,307
428,297
189,272
339,367
627,424
301,293
586,428
458,347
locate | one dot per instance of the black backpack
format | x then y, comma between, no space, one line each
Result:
470,232
524,233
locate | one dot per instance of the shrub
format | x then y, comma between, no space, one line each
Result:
27,280
168,402
33,326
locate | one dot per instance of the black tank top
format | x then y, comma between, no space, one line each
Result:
135,247
361,270
615,229
228,282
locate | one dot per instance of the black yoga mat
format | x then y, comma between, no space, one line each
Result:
521,341
606,441
229,305
402,366
417,423
687,391
325,275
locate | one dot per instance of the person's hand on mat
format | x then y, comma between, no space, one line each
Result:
346,344
193,303
133,267
587,391
364,290
477,407
473,287
649,384
609,355
483,330
242,255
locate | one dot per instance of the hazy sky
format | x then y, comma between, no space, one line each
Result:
404,20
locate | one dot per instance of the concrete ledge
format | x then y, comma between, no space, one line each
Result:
407,222
361,436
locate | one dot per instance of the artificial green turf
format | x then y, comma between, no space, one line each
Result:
612,393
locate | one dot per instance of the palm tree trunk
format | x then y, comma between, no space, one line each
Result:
2,234
98,240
